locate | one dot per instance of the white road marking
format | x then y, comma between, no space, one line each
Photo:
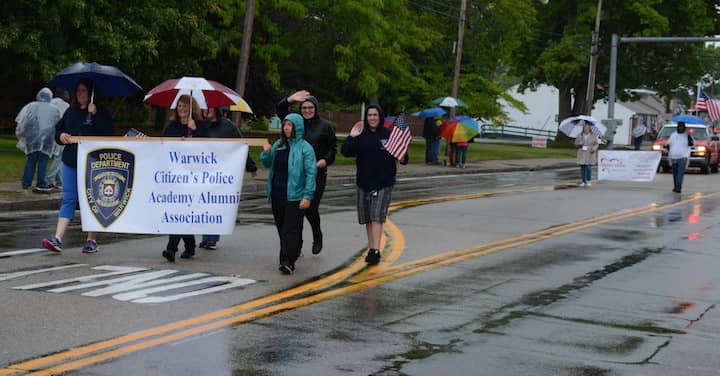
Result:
6,276
23,252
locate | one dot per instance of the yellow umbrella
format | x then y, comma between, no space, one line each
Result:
241,106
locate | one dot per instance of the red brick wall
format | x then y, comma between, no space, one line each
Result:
345,121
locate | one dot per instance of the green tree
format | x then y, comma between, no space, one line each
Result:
559,54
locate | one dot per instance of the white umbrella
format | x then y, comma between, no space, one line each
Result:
573,126
449,102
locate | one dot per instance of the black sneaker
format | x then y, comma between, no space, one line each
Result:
373,257
286,269
169,255
202,244
42,189
188,254
317,245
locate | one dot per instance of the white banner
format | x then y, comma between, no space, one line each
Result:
158,186
628,165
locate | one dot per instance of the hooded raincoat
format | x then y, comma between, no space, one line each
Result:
36,124
302,168
375,166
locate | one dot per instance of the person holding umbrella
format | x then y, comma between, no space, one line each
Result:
222,127
431,133
321,136
184,122
679,144
83,118
587,144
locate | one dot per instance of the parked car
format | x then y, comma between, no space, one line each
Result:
705,154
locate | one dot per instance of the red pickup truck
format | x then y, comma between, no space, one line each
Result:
705,154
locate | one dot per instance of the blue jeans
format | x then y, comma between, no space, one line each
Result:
432,150
461,154
678,171
39,160
54,173
586,173
211,237
69,193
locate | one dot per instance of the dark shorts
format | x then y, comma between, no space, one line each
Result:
373,206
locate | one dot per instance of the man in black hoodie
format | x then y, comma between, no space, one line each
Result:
375,175
320,134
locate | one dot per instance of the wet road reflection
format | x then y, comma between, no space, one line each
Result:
619,297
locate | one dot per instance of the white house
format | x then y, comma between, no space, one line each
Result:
542,113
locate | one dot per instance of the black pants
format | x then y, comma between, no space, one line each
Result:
174,241
313,213
288,221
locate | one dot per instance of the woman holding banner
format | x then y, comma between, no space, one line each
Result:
183,124
83,118
290,186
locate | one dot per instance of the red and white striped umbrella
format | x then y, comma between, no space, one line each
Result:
206,93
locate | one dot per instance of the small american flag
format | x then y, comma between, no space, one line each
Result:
400,138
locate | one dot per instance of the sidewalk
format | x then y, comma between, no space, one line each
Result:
14,198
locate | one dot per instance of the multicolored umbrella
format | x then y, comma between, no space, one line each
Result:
241,106
459,129
207,93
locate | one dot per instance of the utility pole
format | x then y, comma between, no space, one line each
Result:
241,78
458,55
589,98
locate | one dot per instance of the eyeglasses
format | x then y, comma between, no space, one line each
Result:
307,108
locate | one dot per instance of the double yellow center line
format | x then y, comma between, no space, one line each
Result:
356,273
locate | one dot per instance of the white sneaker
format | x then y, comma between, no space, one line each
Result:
588,184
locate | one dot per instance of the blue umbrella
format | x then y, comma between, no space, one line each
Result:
430,112
108,81
689,119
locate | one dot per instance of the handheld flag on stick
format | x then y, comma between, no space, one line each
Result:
400,138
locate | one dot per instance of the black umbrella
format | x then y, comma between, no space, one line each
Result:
107,80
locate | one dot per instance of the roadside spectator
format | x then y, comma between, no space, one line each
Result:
679,144
35,132
452,153
321,136
76,122
54,174
222,127
587,144
638,134
431,133
290,186
182,124
375,175
461,149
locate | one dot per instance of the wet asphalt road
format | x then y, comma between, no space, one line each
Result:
619,278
